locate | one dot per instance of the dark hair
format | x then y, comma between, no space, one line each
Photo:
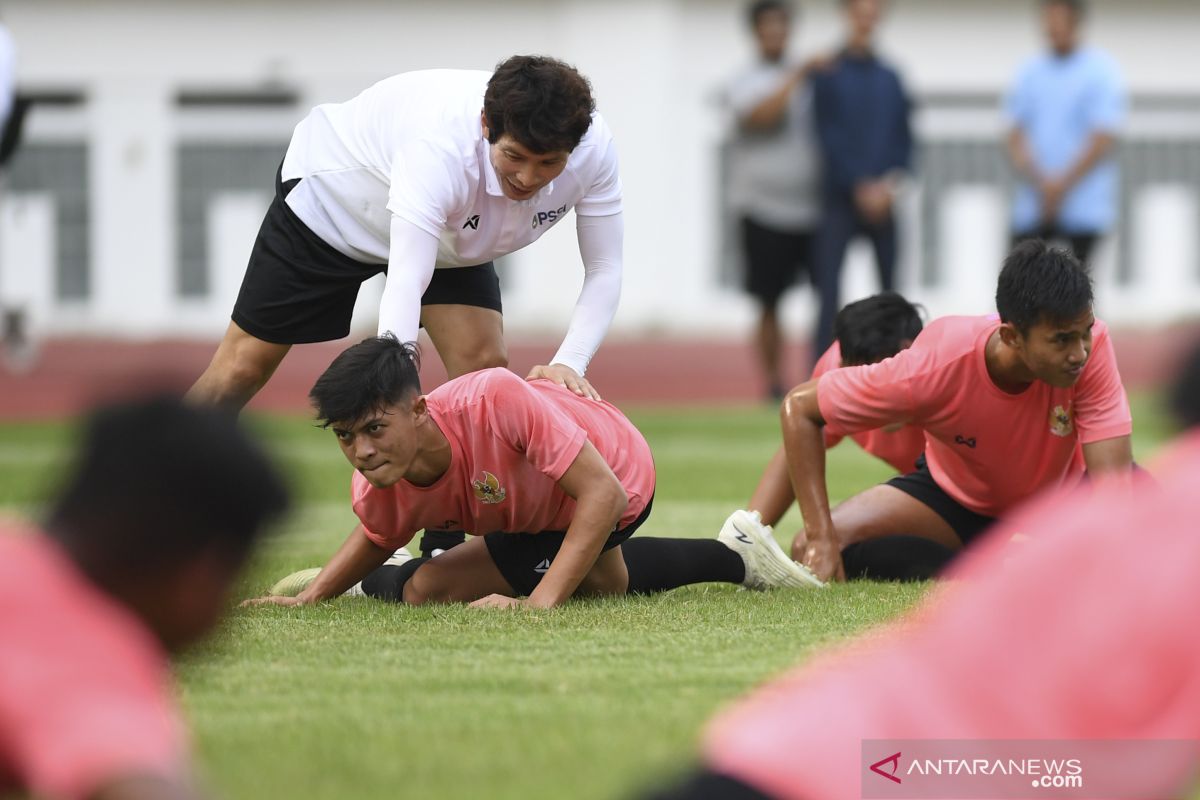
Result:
876,328
756,10
541,102
1185,396
1077,7
366,377
1040,283
157,481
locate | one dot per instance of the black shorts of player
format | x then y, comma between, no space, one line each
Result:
298,289
523,558
920,484
774,259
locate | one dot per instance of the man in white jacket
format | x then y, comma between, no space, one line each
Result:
429,176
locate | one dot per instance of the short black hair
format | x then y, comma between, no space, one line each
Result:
1078,7
1040,283
366,377
1185,395
541,102
157,481
876,328
756,10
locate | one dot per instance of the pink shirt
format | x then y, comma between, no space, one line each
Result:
899,448
85,693
1085,632
511,440
987,449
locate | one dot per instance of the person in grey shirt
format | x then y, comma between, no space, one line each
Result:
774,174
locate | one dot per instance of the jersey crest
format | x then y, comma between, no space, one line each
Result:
1062,421
488,489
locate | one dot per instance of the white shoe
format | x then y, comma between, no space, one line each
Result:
297,582
767,566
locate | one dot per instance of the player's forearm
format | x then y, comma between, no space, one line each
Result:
1110,462
353,561
773,495
804,445
411,257
596,516
1018,155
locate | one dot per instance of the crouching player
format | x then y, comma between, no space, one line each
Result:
866,331
1010,406
554,482
135,560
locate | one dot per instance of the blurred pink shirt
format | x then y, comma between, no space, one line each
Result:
987,449
85,694
1087,631
511,441
899,448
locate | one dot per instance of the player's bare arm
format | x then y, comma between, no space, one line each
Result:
600,500
1110,461
353,561
804,445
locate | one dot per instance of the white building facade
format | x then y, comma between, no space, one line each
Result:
150,156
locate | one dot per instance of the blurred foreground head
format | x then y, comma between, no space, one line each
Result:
161,508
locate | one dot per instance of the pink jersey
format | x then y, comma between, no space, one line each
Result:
899,448
511,440
85,693
987,449
1080,633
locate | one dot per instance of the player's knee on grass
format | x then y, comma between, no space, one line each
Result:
609,576
388,582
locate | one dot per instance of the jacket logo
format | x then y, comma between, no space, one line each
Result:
1062,421
488,489
549,217
963,440
472,223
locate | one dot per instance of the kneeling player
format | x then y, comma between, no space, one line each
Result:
555,483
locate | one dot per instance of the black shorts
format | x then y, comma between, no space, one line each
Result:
921,485
523,558
774,258
298,289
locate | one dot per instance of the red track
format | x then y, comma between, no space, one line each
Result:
71,374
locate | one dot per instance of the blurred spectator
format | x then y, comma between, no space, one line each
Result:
862,115
18,353
773,174
135,560
1065,110
1096,659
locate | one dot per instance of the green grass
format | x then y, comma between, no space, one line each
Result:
360,699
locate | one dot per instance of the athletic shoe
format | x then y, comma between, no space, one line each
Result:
767,566
297,582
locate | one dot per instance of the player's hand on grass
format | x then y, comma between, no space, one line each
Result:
564,376
273,600
497,601
825,560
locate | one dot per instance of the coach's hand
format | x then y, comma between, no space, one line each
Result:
825,560
497,601
564,376
273,600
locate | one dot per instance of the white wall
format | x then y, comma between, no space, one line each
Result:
655,65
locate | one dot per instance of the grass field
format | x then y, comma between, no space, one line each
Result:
357,699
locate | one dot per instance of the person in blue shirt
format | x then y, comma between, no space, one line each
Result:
862,114
1065,111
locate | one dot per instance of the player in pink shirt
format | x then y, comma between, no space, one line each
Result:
551,484
1072,637
1010,406
135,561
866,331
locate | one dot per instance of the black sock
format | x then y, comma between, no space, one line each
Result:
897,558
657,565
440,540
387,582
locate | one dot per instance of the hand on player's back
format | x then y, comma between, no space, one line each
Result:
564,376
